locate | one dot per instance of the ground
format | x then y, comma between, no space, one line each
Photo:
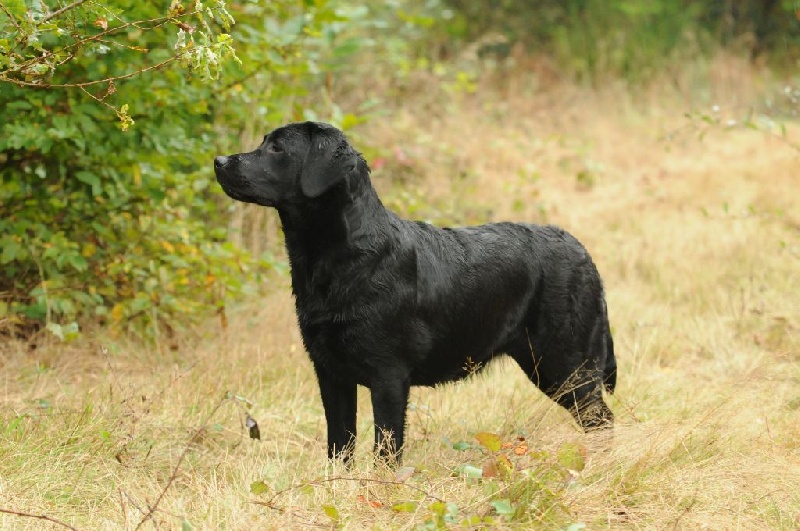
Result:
695,227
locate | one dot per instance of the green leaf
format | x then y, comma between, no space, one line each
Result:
405,507
258,487
461,446
451,515
16,8
571,456
157,194
438,508
71,332
470,471
89,178
36,311
10,250
78,262
404,473
503,507
185,525
240,398
331,512
56,330
349,47
490,441
471,521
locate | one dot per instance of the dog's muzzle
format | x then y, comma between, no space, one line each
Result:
221,161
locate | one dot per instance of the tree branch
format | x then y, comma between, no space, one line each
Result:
63,10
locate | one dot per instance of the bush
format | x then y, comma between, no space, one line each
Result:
110,115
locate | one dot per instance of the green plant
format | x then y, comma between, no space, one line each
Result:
111,114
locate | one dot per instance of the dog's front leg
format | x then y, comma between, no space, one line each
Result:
339,401
389,402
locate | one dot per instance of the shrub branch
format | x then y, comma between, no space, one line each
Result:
39,517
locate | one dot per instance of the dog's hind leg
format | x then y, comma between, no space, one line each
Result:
579,387
572,381
582,397
339,401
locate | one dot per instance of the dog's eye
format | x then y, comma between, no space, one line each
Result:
274,148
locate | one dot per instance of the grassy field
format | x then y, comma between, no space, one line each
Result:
696,230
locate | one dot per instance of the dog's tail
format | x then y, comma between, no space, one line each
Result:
610,370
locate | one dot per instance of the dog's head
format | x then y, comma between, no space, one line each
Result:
295,163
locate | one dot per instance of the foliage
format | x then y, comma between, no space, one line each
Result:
39,42
519,485
631,38
113,214
98,218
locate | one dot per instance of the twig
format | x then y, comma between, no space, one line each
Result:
98,100
320,482
39,517
11,17
177,466
89,83
104,351
256,69
63,10
781,138
685,511
628,409
131,501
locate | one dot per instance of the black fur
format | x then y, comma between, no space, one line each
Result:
388,303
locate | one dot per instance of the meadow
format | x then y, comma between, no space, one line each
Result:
694,223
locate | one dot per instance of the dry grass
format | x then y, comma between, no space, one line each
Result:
699,245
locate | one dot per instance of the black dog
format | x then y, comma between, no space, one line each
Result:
388,303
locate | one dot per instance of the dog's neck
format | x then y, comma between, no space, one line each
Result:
343,219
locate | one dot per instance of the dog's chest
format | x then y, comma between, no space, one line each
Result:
350,344
351,318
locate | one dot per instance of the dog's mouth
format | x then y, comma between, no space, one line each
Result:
238,188
228,181
236,185
232,192
233,185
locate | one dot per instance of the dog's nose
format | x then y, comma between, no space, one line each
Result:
220,161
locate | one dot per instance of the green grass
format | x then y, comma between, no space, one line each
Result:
699,246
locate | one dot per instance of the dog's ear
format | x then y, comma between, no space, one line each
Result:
328,161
